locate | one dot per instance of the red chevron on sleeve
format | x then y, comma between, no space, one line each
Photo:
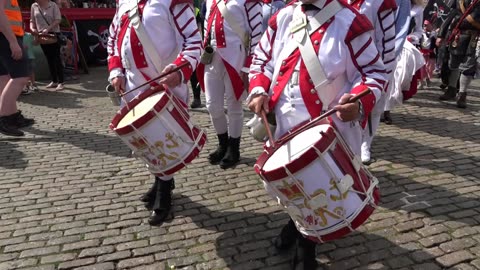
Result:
387,5
360,25
177,2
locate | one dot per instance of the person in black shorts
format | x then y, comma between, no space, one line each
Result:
14,69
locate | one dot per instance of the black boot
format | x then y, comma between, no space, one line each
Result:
305,255
7,128
163,202
387,117
233,154
19,121
149,197
287,237
449,94
218,155
462,100
196,103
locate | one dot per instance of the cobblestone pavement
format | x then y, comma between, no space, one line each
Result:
69,195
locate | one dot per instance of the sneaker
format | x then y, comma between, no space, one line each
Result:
34,87
51,85
19,121
60,87
7,129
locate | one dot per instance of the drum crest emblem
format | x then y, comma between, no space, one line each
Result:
157,154
292,191
318,204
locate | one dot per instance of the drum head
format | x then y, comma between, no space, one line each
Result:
140,109
294,148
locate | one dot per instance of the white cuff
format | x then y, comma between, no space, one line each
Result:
257,90
116,72
179,71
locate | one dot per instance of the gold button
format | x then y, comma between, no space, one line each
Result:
280,73
317,102
283,63
313,91
315,42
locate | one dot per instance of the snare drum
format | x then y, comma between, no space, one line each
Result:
156,126
323,186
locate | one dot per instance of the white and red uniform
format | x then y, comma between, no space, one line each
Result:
174,32
172,28
346,51
221,79
381,14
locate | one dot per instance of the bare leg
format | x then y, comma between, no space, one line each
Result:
9,96
3,82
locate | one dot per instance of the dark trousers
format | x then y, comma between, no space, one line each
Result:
195,87
443,56
52,53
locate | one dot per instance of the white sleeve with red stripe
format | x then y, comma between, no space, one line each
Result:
184,19
261,70
385,34
369,70
254,10
114,63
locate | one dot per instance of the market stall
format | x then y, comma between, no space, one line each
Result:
85,23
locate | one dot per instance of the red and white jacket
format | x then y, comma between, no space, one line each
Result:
228,45
345,48
174,32
381,14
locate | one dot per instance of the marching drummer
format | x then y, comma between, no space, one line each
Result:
233,29
342,55
148,38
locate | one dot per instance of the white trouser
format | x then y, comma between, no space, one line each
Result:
218,88
375,115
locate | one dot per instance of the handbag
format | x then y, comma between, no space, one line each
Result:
52,38
45,39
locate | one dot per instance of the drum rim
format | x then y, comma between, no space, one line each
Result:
134,102
300,162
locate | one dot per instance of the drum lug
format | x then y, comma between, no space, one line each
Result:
345,184
319,201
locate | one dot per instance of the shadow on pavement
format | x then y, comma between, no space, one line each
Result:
439,126
414,154
11,157
90,141
244,240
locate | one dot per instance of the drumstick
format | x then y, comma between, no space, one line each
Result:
326,114
351,100
267,127
156,78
